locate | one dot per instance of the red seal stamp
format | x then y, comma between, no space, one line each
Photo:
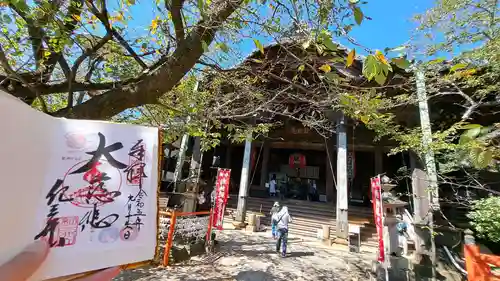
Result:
66,230
129,233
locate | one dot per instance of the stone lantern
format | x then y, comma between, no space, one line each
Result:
394,224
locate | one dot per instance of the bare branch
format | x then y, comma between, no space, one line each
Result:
103,17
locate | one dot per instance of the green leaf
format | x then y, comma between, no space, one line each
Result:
401,63
358,15
458,67
436,61
223,47
201,5
332,76
258,45
464,139
144,45
327,42
370,69
484,159
301,68
470,126
472,133
381,78
204,46
386,68
21,5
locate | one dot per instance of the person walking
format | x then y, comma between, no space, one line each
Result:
274,210
282,218
272,186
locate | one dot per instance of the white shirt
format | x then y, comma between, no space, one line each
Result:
283,218
272,186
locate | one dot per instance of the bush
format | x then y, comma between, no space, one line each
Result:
485,218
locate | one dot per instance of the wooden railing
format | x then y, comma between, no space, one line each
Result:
478,265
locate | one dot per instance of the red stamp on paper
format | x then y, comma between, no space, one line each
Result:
67,230
129,233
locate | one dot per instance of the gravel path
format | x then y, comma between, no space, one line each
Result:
250,257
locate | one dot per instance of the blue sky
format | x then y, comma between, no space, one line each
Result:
391,23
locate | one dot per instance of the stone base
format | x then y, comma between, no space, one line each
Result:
239,225
327,242
251,228
341,241
179,254
197,249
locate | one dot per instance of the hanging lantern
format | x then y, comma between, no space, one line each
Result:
297,161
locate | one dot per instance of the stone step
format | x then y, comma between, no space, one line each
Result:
306,206
313,224
295,210
311,217
306,234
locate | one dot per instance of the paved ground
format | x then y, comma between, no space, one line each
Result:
251,257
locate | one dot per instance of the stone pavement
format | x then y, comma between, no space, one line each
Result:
250,257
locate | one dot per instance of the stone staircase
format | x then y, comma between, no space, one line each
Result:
308,217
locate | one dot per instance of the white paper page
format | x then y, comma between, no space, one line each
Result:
24,152
97,209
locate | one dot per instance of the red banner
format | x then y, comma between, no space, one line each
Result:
378,215
221,192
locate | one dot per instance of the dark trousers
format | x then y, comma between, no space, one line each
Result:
282,241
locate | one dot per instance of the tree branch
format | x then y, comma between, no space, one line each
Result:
79,61
176,12
103,17
155,84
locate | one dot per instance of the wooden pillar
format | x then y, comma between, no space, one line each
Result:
330,180
243,193
265,164
342,223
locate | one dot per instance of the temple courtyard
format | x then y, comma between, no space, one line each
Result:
251,257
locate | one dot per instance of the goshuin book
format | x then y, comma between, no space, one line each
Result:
89,188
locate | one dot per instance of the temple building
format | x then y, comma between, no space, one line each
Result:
314,148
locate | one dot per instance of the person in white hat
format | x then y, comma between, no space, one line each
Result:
274,210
